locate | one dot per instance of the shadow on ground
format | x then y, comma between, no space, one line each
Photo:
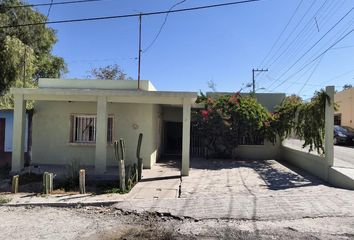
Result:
276,175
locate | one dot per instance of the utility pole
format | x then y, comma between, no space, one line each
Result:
253,77
139,61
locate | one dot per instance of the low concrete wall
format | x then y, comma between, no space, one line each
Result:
258,152
317,165
341,177
309,162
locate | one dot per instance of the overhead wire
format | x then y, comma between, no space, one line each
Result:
50,8
308,35
162,26
132,15
297,36
315,44
290,34
324,52
310,76
282,32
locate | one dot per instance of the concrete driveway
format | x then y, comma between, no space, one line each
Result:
230,189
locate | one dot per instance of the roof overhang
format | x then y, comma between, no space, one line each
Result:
91,95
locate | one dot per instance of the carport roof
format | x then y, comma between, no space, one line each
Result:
128,96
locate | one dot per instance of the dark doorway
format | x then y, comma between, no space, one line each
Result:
2,135
173,138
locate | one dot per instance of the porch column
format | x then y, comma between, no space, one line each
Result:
329,125
186,135
18,139
101,136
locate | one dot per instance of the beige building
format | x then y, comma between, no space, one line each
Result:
345,114
77,120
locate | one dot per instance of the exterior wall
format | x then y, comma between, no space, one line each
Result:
172,114
268,100
345,101
309,162
95,84
258,152
51,132
9,120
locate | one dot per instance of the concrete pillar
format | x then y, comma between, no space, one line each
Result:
186,136
329,125
101,136
18,140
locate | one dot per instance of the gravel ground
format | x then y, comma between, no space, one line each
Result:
110,223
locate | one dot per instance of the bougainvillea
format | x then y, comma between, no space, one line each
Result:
229,120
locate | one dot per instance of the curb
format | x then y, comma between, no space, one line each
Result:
63,205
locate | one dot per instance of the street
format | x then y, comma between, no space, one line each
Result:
343,155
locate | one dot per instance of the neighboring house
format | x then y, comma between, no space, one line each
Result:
344,116
78,120
6,130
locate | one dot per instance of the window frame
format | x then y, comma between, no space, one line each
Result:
72,126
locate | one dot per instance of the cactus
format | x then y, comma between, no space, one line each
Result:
119,152
15,184
140,160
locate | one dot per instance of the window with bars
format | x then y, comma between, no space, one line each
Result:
83,129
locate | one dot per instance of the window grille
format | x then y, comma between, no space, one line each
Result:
83,129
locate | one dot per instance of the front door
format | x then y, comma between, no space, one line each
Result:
173,138
2,135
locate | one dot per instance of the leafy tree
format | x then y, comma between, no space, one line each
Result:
347,86
25,52
109,72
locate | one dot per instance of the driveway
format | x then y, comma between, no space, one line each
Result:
263,190
343,155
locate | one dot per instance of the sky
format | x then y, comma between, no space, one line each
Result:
221,45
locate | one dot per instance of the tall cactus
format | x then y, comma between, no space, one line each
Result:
140,160
119,152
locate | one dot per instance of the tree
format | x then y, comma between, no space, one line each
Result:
109,72
347,86
25,52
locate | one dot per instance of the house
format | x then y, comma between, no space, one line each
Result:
344,116
6,131
77,120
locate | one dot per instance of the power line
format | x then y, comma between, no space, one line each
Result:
308,36
49,4
282,32
308,79
290,34
315,44
131,15
50,8
297,36
162,26
324,52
